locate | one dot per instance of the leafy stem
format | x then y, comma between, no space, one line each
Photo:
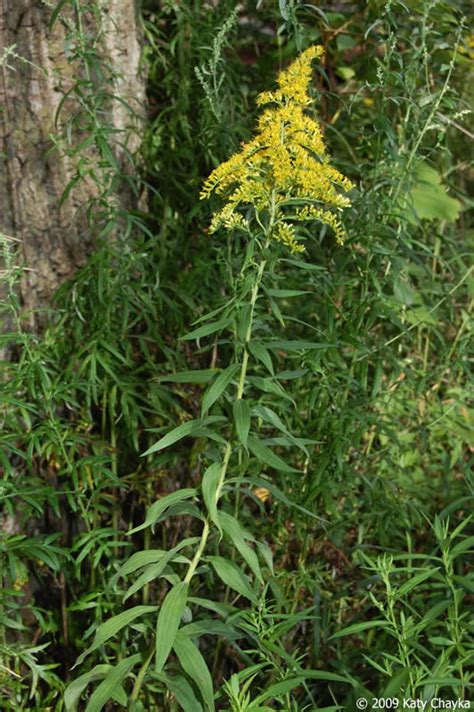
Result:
240,391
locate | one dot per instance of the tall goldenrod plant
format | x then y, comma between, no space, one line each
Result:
279,182
284,174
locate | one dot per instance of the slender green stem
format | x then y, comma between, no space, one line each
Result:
240,391
141,675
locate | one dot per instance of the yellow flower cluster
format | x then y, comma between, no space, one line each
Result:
294,81
286,163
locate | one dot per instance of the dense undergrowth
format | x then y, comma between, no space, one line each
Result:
332,561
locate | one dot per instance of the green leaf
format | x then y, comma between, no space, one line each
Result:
420,315
448,681
243,323
439,640
215,391
210,626
413,582
264,454
279,688
112,681
297,345
232,576
232,528
195,666
463,546
111,627
157,508
153,571
140,560
325,675
73,692
210,482
183,692
270,385
168,622
404,292
222,609
198,376
269,416
207,329
428,199
241,412
396,683
285,293
182,431
55,14
358,628
260,353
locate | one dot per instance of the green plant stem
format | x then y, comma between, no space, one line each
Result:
207,528
141,674
240,391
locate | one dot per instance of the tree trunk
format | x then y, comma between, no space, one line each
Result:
36,72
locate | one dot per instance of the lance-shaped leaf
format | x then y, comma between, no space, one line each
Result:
108,687
157,508
183,692
263,453
241,412
110,628
210,483
195,666
207,329
232,576
232,528
217,388
168,622
73,692
185,430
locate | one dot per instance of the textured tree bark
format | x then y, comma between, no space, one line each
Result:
35,74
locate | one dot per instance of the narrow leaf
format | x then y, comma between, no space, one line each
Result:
414,582
232,528
183,692
325,675
241,412
285,293
358,628
215,391
140,560
168,622
198,376
157,508
210,482
111,627
195,666
260,353
264,454
232,576
181,431
297,345
109,685
155,570
207,329
279,688
55,14
74,691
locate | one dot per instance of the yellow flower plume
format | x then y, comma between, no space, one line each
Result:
284,170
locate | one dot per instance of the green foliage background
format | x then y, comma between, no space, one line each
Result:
371,586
